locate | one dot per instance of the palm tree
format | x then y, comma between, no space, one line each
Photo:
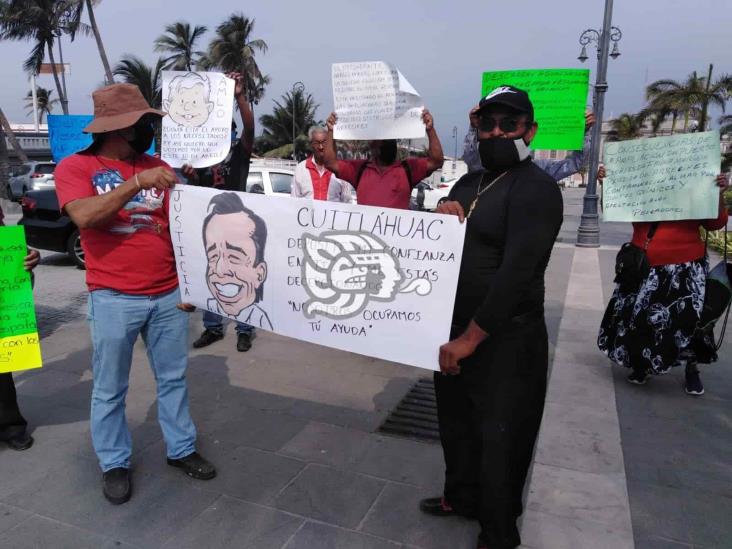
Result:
233,49
725,124
89,5
134,70
626,126
45,103
695,95
278,125
180,41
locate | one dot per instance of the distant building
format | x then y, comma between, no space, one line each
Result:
34,144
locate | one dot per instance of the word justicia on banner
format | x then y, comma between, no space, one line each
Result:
368,280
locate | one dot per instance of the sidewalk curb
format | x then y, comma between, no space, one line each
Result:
578,494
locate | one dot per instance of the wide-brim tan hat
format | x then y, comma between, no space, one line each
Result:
117,107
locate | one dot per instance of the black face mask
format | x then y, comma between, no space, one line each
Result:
144,135
388,151
499,153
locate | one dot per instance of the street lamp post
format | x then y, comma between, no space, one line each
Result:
297,87
588,234
454,158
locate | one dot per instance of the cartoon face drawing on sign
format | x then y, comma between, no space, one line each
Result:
188,102
234,239
342,271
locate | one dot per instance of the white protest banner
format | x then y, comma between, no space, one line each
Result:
374,281
197,130
373,100
663,178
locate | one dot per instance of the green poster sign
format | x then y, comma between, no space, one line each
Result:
559,97
19,348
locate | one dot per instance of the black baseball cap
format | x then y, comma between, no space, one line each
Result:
509,96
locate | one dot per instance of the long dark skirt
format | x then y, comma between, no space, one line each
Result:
654,327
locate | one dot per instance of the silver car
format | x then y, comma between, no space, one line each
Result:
31,176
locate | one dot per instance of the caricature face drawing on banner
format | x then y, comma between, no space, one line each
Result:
234,239
188,102
343,271
374,281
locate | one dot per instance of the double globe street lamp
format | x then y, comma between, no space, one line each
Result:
588,234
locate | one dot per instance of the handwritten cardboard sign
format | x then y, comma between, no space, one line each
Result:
66,136
663,178
559,97
373,100
374,281
197,129
19,347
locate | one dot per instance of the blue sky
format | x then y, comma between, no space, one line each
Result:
441,47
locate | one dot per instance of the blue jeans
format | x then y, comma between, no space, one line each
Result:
215,323
115,321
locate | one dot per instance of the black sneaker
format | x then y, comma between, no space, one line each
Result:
20,442
207,338
244,342
638,378
693,385
117,485
194,466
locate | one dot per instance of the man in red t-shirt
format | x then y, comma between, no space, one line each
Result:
383,180
118,197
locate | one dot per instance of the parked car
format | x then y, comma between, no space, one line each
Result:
270,181
425,197
31,176
47,228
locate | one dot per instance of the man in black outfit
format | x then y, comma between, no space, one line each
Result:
491,389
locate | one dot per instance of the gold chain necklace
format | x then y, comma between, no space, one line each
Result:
481,191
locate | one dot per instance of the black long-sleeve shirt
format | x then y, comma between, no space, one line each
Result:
508,242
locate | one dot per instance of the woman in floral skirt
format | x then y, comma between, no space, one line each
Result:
652,327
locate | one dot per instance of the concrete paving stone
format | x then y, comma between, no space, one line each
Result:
543,531
258,429
73,495
579,495
583,384
396,516
329,495
45,382
709,519
328,444
11,516
228,522
324,536
21,470
659,512
40,532
402,460
241,472
692,478
361,420
580,438
661,543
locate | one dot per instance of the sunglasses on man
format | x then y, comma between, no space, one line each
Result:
508,124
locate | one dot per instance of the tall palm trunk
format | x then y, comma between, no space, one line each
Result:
673,122
100,44
8,131
705,102
64,101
